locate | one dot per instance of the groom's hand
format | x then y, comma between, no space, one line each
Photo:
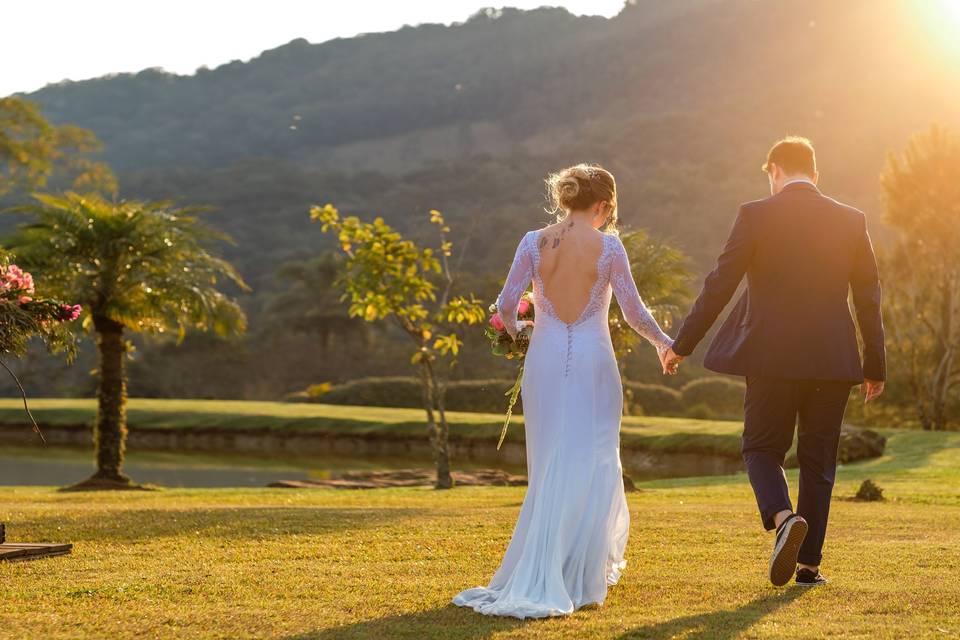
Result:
871,390
670,361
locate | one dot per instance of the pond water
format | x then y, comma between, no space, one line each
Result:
63,465
58,466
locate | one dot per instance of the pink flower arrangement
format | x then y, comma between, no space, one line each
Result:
13,279
16,285
69,313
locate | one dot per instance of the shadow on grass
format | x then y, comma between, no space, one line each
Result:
906,450
449,623
717,625
247,523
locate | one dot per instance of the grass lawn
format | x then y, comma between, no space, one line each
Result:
384,564
668,434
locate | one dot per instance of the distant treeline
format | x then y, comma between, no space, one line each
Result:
680,100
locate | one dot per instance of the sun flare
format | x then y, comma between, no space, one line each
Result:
943,17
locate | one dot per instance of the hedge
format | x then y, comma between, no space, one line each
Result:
485,396
652,399
711,397
721,396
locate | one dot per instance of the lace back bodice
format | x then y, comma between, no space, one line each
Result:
599,297
613,278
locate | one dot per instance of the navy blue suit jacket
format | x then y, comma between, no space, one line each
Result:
802,253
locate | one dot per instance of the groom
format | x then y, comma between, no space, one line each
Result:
792,336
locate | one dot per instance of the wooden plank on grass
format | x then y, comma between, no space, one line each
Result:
13,551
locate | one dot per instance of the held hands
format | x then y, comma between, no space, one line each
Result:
669,361
871,390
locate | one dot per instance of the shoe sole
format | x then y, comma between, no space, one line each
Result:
783,564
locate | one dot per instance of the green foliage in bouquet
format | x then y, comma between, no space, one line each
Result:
503,345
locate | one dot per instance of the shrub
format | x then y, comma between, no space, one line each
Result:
317,390
388,391
723,396
480,395
700,411
869,492
652,399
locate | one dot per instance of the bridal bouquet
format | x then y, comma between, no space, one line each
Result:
502,345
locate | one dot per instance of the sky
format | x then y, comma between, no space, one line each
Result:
47,41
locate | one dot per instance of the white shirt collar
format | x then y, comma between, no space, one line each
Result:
796,180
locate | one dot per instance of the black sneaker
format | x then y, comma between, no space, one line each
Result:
783,562
810,578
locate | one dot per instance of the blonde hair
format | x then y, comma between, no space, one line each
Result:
578,188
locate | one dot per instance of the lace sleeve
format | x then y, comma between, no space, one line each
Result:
634,311
521,273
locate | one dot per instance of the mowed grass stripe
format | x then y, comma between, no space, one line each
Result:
654,433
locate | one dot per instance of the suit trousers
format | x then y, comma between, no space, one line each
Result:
773,410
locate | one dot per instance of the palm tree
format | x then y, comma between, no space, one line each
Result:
137,266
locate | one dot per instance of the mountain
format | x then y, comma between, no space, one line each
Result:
680,99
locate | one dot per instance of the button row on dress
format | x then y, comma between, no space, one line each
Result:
566,366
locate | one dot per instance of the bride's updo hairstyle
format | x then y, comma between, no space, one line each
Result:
579,187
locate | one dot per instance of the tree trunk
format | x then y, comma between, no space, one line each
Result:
438,432
110,434
444,480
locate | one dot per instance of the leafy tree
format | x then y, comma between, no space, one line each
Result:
386,276
922,271
310,302
32,149
134,266
662,274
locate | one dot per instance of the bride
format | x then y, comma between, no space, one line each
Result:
569,540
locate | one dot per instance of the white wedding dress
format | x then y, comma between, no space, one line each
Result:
569,540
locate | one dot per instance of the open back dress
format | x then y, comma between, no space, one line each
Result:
568,543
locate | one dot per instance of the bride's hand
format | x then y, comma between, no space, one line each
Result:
520,326
669,361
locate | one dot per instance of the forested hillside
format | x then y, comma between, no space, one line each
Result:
680,99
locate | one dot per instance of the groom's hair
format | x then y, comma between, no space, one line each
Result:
793,154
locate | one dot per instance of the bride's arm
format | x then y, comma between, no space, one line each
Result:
634,311
521,273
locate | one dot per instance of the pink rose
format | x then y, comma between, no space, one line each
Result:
523,307
497,322
25,299
69,313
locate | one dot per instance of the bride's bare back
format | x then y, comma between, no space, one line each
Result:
568,266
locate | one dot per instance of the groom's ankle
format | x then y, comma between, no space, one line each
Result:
780,517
